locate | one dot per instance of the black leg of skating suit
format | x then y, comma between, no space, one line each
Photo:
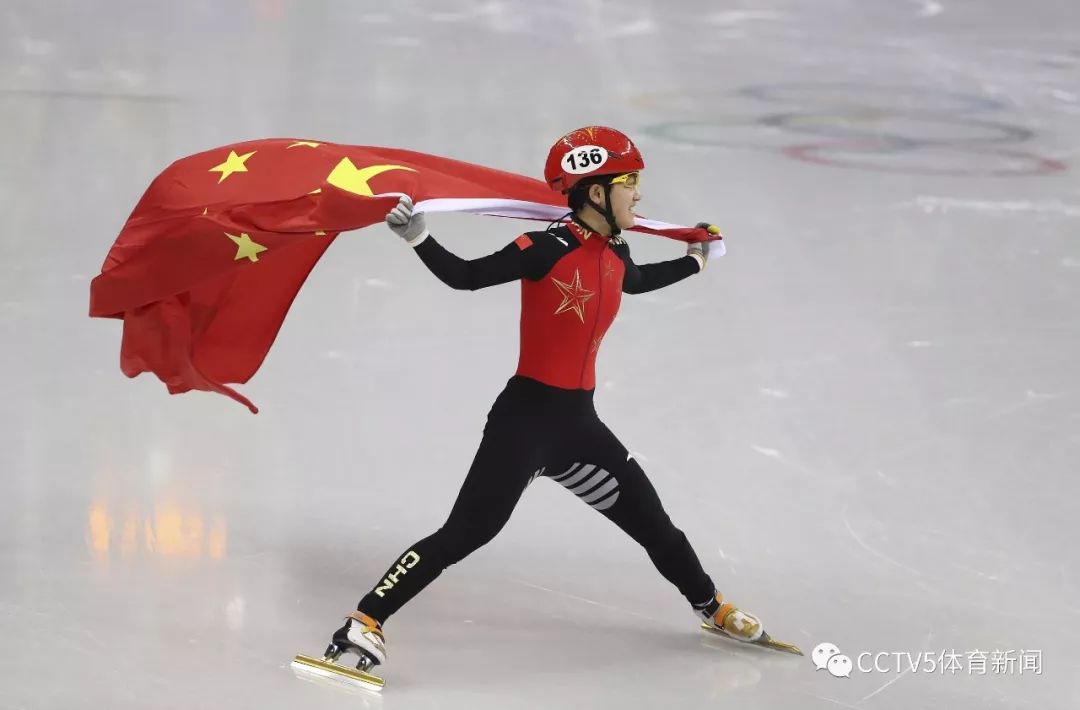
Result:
603,476
536,430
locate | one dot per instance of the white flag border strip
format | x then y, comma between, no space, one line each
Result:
522,209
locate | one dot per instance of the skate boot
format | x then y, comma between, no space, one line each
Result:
724,618
361,635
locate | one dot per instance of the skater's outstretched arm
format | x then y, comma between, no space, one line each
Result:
503,266
649,277
507,264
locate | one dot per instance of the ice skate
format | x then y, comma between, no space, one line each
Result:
723,618
361,635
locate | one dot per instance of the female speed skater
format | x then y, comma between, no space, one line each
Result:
543,423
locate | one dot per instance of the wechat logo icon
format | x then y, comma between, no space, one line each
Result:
827,656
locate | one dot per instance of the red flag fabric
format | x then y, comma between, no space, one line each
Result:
213,255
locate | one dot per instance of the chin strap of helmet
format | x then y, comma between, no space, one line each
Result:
569,216
605,211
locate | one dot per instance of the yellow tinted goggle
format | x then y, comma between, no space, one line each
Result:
631,180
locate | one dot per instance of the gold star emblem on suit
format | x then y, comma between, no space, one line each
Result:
596,344
574,296
609,271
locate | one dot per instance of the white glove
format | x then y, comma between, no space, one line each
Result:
407,224
700,250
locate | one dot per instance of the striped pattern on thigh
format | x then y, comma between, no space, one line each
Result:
592,484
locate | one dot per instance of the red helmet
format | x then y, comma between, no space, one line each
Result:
595,150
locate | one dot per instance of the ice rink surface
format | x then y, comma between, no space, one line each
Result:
865,417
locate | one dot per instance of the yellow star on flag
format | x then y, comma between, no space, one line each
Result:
352,179
245,248
574,296
233,164
307,144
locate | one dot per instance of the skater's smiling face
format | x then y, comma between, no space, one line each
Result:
625,194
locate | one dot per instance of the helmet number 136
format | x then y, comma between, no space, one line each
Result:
585,159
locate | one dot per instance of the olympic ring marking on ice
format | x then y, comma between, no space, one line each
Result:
855,94
805,123
1038,165
868,142
845,94
671,131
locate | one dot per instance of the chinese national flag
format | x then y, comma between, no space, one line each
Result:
210,260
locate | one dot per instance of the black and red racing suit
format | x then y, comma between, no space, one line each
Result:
543,423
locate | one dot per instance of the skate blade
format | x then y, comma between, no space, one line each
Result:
325,670
765,640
